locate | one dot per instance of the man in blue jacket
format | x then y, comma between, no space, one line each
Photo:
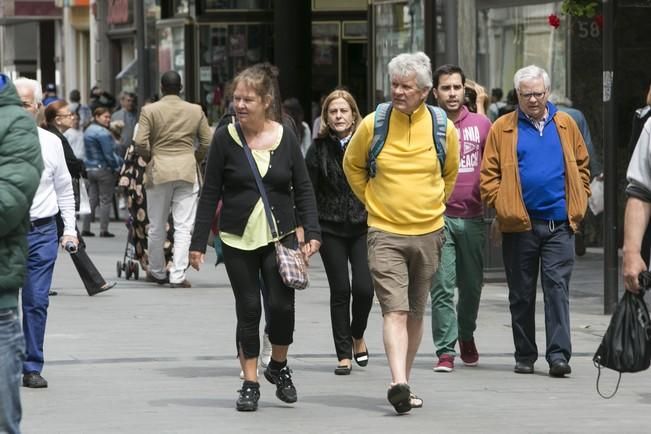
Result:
20,171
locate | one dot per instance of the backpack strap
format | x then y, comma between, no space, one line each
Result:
439,126
380,132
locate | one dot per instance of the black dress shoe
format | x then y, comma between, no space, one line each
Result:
559,369
343,369
106,234
151,278
52,293
523,367
34,380
87,234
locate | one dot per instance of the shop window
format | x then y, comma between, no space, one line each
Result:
171,50
237,4
225,50
400,28
514,37
325,58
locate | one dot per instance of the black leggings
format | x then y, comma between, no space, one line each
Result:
244,268
336,252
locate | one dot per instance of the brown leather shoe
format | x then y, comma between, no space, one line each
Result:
185,284
151,278
33,380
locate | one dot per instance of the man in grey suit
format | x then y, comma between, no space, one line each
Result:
165,139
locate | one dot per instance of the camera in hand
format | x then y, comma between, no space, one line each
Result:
70,247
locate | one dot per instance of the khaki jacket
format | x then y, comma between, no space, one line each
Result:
500,179
165,139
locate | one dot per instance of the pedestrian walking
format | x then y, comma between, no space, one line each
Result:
165,140
535,174
59,119
54,195
128,115
342,218
102,165
405,198
21,166
638,210
462,259
248,244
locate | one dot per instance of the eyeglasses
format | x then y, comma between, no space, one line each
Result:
29,104
528,95
65,115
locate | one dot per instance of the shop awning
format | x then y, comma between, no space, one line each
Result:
130,69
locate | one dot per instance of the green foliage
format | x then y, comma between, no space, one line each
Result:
580,8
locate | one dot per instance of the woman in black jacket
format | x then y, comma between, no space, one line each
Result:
248,245
343,224
58,119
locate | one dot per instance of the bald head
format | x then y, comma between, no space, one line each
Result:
170,83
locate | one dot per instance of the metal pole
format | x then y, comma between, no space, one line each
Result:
143,76
611,259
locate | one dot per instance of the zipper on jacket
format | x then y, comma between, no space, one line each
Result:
409,131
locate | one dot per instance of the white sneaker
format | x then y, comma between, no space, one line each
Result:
265,354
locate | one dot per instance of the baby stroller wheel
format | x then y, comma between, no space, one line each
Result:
127,271
119,268
136,270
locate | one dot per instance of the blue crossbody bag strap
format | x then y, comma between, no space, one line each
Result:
380,132
258,180
439,123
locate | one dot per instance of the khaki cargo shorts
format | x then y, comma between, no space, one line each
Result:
402,268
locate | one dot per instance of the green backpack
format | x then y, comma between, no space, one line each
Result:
381,129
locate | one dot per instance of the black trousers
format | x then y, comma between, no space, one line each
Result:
89,274
244,269
336,253
549,248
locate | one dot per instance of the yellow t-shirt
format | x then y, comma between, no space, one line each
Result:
408,194
257,232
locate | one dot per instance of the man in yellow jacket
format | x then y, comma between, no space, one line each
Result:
405,201
535,174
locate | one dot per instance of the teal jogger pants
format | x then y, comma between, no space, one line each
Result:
462,266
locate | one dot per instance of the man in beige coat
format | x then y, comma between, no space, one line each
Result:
165,139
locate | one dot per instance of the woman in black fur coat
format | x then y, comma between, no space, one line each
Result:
343,227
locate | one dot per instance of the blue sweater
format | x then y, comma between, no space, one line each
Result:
542,168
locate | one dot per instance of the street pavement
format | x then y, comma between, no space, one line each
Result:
143,358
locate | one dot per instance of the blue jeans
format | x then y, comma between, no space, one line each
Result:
12,353
43,245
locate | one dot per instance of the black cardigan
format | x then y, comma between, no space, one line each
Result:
228,177
338,207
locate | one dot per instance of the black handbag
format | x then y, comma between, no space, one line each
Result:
291,263
626,346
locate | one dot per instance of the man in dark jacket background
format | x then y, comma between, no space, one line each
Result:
20,171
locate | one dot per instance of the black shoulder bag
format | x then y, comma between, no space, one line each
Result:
291,263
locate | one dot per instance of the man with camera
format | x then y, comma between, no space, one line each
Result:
54,194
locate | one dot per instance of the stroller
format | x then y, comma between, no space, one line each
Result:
135,250
129,265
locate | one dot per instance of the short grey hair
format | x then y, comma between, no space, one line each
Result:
412,63
558,99
35,86
531,72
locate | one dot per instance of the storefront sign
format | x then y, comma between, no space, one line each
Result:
118,12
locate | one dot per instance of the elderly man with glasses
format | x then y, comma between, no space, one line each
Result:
535,174
54,194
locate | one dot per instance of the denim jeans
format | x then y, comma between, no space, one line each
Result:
12,353
43,246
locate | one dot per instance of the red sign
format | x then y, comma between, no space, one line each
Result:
118,12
